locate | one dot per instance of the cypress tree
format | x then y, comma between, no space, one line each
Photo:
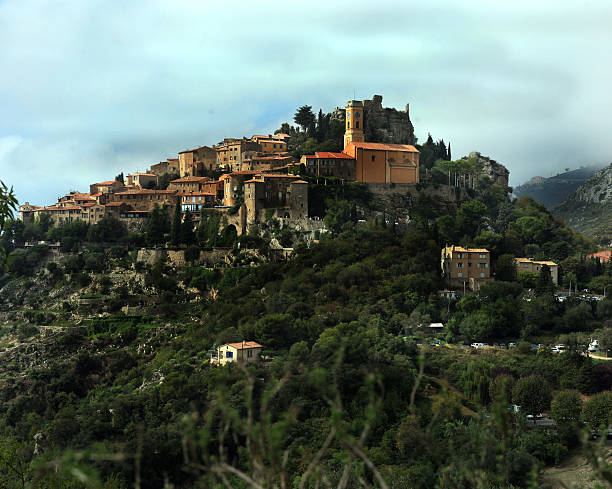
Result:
187,235
449,152
175,231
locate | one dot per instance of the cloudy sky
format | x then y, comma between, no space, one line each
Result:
89,88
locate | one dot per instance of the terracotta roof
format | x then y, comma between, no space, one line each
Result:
245,345
145,174
468,250
538,262
341,156
195,194
115,204
243,172
278,175
146,192
96,195
300,181
89,204
55,208
386,147
190,179
106,184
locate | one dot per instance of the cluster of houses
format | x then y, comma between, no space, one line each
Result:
470,268
259,179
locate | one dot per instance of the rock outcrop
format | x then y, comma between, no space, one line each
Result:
597,190
383,124
494,170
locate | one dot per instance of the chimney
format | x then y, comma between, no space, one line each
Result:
243,343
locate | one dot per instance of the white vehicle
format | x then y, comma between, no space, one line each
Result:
594,346
560,346
479,345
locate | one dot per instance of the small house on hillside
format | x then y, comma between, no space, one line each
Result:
244,352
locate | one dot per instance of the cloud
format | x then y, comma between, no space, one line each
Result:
92,87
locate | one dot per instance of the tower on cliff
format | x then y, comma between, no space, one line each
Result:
354,123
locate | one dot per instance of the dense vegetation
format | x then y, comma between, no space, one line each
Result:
345,396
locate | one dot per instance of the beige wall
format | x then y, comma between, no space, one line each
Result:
249,355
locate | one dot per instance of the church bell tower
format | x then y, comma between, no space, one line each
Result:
354,123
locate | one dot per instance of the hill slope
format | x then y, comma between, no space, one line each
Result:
589,208
552,191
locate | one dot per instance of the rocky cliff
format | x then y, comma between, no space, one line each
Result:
494,170
383,124
589,208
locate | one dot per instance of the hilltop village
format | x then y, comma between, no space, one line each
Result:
258,179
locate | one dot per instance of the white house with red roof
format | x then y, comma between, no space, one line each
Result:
242,352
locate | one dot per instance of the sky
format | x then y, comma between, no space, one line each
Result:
92,88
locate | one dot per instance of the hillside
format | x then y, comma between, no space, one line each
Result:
553,190
589,208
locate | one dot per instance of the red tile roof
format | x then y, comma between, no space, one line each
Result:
106,184
386,147
245,345
341,156
190,179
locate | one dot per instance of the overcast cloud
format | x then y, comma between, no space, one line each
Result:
90,88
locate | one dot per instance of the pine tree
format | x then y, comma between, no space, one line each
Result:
175,231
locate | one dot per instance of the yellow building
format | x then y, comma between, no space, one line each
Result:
534,266
469,268
377,162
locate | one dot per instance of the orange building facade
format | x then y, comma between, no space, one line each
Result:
377,162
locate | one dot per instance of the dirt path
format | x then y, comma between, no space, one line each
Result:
574,473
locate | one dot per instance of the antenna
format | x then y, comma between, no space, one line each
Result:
354,96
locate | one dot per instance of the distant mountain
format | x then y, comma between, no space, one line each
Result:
589,208
553,190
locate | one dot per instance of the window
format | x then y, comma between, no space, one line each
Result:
348,114
357,125
357,114
349,125
249,353
373,158
459,265
482,255
459,275
229,354
459,255
481,275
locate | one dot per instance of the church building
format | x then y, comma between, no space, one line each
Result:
377,162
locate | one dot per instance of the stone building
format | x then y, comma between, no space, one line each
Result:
468,268
171,165
270,195
327,164
193,162
231,152
534,266
105,187
233,186
270,144
144,199
265,162
188,184
141,180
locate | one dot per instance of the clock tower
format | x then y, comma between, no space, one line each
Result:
354,123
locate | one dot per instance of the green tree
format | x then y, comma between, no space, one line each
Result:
545,284
505,268
175,230
187,234
8,204
476,381
305,118
597,411
157,225
566,407
533,394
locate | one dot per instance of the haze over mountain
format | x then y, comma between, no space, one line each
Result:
589,208
551,191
